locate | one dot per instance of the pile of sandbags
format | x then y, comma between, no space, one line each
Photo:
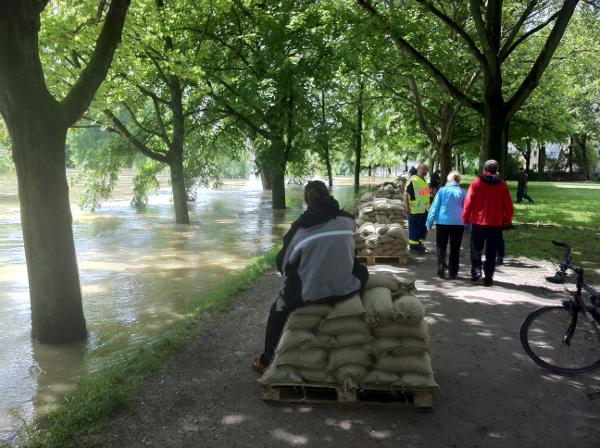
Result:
389,240
390,190
379,339
382,211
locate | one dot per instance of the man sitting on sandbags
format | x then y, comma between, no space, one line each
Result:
317,262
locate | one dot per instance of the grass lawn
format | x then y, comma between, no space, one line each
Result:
568,212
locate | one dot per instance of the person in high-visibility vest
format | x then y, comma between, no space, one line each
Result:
416,204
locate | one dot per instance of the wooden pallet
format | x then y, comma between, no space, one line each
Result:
382,259
421,397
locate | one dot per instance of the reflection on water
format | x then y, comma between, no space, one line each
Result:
139,272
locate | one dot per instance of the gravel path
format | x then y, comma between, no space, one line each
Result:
490,395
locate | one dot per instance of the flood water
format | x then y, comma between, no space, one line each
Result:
139,271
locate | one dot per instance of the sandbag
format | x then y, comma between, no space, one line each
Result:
382,279
397,329
378,305
275,374
316,376
313,358
417,380
379,377
302,321
347,308
343,325
294,338
398,233
355,355
405,364
345,340
400,346
317,309
409,309
351,376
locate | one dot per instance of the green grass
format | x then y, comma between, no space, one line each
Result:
102,395
562,211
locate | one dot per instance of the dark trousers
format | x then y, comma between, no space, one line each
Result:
417,229
522,194
488,237
454,234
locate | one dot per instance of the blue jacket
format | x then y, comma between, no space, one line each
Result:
447,205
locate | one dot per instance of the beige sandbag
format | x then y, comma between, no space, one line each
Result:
345,340
302,322
367,228
313,358
397,232
409,309
294,338
316,376
343,325
316,309
351,376
379,377
397,329
355,355
382,279
378,305
417,380
347,308
400,346
405,364
276,374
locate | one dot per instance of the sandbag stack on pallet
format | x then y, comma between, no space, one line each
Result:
381,240
381,211
379,339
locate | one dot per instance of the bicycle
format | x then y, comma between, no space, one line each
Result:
565,339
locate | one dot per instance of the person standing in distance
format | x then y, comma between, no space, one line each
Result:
416,204
488,207
446,211
522,187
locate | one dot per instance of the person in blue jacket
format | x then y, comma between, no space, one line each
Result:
446,211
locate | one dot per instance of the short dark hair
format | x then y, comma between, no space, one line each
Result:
491,166
315,192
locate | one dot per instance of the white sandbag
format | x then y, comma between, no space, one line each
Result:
347,308
343,325
316,376
316,309
409,309
378,305
400,346
302,322
313,358
351,376
345,340
276,374
417,380
355,355
397,233
378,377
397,329
405,364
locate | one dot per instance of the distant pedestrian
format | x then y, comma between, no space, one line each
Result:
412,171
522,187
446,212
488,207
434,183
416,204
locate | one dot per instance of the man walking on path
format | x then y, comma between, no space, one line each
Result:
416,203
522,187
446,211
488,207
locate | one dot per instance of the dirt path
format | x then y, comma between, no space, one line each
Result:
490,395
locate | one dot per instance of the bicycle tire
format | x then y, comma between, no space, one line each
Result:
548,325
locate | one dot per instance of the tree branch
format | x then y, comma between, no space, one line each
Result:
506,51
515,29
425,127
81,95
409,50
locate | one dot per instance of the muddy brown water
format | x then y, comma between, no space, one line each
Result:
138,271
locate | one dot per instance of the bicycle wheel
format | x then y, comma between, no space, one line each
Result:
543,335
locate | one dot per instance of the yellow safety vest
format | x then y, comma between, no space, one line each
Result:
421,202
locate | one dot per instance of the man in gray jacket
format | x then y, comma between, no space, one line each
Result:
317,262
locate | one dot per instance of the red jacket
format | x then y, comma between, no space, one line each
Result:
488,202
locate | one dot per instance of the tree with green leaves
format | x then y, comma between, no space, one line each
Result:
37,123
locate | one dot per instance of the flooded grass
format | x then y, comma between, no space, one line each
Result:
112,389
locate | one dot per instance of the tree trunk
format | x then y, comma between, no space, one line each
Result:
278,191
542,159
265,179
494,120
527,155
358,135
584,156
325,141
54,289
277,172
446,160
406,163
570,157
328,166
179,194
176,153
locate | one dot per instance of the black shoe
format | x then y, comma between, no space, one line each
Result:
442,275
475,276
500,260
452,277
488,281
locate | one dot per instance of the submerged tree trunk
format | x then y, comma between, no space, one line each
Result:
176,153
265,179
278,191
179,194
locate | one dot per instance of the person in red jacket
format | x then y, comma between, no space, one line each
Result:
488,209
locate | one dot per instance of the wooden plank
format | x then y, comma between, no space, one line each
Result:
375,259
